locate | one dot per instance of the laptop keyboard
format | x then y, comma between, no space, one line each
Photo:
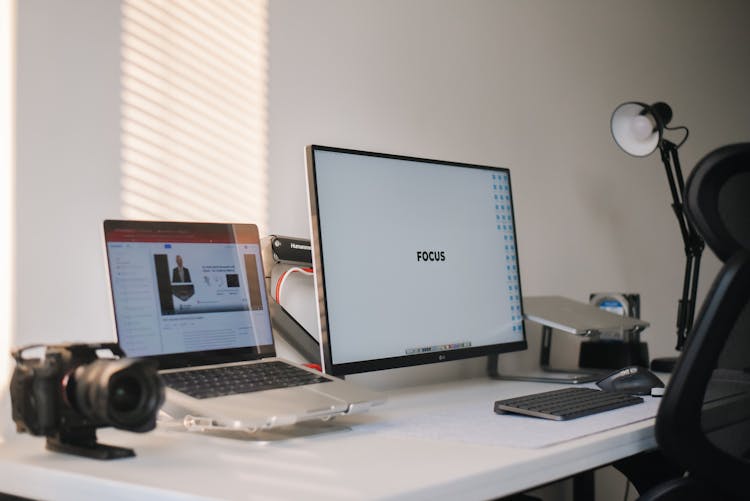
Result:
234,379
568,403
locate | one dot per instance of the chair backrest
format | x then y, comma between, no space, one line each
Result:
717,201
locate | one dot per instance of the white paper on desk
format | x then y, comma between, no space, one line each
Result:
476,423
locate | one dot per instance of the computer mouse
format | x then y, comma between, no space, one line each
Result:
632,380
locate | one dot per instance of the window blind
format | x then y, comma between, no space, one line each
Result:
194,110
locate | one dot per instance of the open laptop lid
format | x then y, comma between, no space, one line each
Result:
188,293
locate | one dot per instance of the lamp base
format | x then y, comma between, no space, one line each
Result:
663,364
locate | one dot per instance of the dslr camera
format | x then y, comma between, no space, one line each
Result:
70,392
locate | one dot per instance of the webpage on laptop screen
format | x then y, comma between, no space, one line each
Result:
174,297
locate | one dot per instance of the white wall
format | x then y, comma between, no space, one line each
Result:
68,166
7,198
528,85
531,86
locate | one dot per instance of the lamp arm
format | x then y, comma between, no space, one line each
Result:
692,241
677,168
668,153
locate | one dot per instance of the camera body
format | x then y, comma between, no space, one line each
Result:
70,392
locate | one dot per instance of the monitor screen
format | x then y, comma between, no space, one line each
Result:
415,260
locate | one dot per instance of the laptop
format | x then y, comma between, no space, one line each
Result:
575,317
192,297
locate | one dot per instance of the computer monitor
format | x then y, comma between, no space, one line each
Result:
415,260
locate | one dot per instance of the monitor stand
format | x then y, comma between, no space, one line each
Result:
545,373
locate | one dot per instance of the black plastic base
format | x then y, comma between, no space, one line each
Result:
612,354
664,364
85,444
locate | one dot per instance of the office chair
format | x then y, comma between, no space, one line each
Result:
714,448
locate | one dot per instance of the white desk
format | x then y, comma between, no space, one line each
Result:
356,457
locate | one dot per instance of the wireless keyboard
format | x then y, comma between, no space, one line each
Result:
568,403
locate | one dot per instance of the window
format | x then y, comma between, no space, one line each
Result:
194,110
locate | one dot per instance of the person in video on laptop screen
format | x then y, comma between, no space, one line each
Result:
180,273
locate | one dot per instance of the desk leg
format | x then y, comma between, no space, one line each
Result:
583,486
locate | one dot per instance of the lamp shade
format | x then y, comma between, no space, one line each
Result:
637,127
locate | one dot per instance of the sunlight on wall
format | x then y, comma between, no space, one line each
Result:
194,110
7,184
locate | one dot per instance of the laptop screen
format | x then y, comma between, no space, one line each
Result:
415,260
182,288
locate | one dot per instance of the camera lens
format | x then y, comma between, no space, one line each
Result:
124,393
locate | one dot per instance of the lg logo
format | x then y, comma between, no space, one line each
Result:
430,256
441,357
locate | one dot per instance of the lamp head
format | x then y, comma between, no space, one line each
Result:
637,128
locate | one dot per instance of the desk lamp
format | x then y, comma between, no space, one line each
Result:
639,129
